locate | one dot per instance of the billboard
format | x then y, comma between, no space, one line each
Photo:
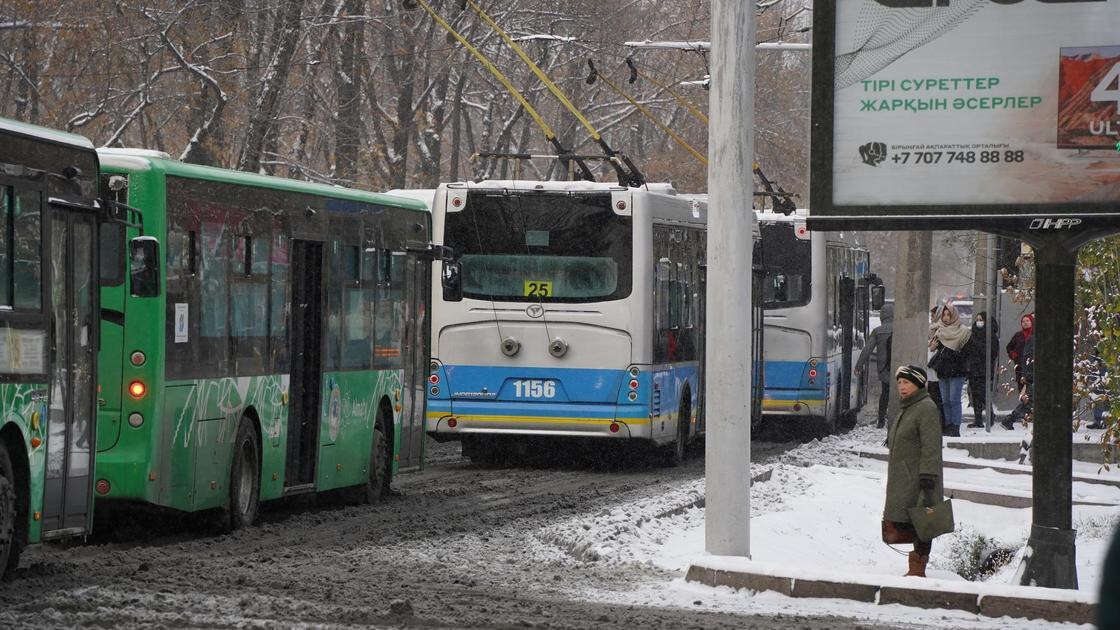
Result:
979,114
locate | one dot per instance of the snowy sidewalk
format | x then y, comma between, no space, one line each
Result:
818,515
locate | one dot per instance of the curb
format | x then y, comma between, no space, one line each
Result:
969,596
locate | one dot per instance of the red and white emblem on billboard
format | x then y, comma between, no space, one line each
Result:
1089,98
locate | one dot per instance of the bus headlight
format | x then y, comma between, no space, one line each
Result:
510,346
558,347
135,420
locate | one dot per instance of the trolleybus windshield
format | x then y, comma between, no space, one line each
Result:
546,247
787,266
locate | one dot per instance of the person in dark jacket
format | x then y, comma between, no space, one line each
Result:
914,470
879,346
1015,346
977,356
949,340
1025,408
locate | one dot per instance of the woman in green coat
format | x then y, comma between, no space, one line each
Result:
914,465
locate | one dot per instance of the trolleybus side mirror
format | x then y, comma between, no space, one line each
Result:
878,296
452,281
143,266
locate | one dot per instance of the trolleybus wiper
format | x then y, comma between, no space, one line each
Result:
594,75
628,173
563,154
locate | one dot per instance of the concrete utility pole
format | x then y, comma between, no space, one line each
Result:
730,221
910,342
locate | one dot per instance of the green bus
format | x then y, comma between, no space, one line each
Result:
49,216
269,340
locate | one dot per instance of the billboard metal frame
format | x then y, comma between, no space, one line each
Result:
1021,219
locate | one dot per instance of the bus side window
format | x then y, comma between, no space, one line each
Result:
111,250
27,250
332,359
6,201
357,333
279,304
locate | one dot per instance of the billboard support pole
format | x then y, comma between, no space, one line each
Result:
1051,555
730,218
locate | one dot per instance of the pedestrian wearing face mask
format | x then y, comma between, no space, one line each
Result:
977,357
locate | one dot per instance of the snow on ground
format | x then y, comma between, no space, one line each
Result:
821,509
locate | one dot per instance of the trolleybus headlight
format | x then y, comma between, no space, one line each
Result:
102,486
434,391
634,383
434,379
558,348
632,396
812,363
137,389
813,373
510,346
138,358
433,367
634,372
135,420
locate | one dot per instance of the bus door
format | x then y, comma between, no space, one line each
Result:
702,345
73,361
306,346
847,305
414,361
758,326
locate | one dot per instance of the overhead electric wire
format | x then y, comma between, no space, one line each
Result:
549,134
688,105
628,173
591,78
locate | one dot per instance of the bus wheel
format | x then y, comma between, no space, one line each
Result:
10,546
379,464
676,452
244,477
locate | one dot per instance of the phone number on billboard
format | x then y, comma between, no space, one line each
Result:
1010,156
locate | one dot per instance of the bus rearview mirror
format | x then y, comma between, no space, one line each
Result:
452,281
143,265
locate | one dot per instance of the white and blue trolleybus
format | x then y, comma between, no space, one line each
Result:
569,309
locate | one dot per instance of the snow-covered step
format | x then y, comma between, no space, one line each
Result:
1007,448
988,487
1107,478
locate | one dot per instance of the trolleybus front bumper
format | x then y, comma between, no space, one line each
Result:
554,419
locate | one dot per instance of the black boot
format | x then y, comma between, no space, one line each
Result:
881,423
954,430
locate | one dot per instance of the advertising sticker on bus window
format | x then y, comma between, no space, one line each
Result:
181,335
538,288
